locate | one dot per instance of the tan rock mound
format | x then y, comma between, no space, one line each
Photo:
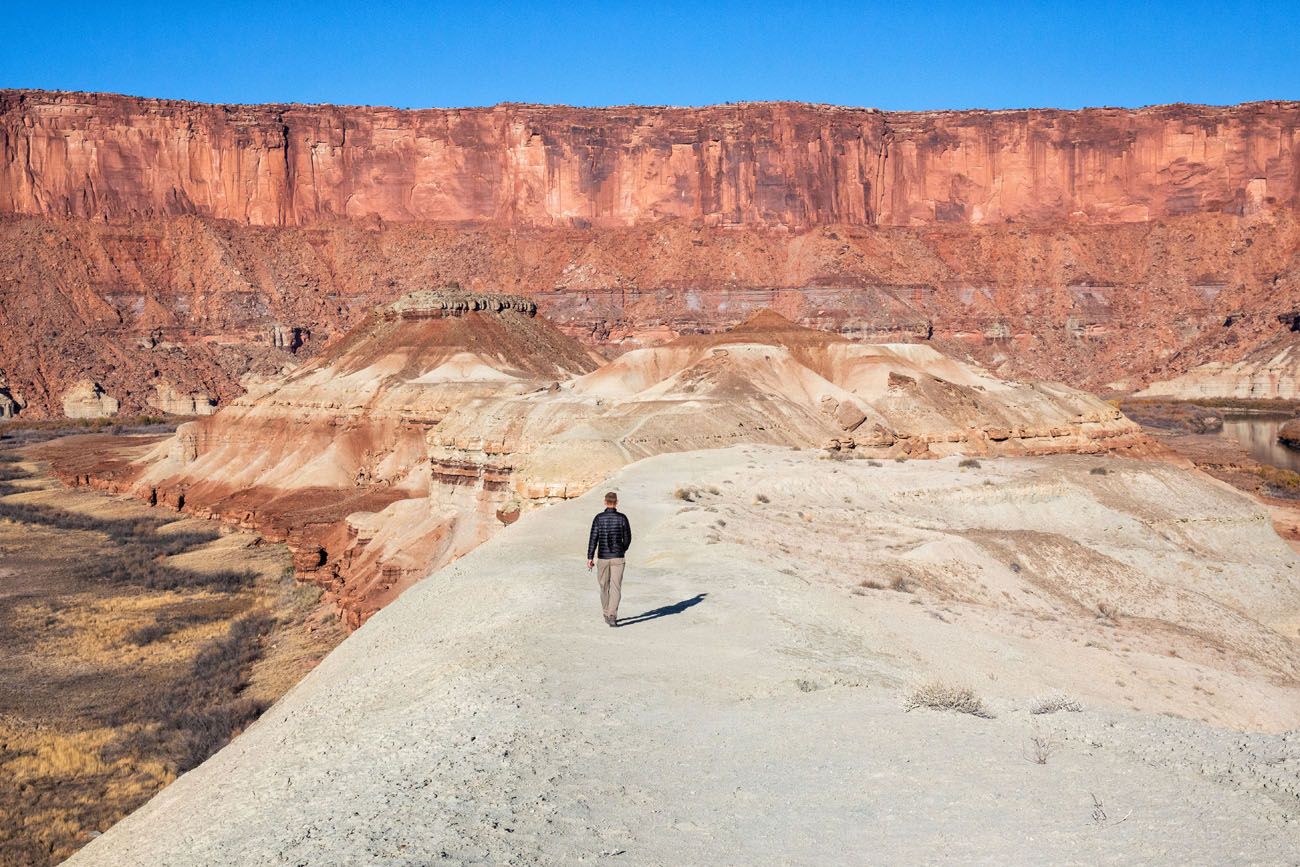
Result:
345,433
1271,372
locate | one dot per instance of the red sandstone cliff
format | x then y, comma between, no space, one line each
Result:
162,250
771,164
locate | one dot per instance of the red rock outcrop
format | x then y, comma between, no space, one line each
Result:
767,164
196,304
165,247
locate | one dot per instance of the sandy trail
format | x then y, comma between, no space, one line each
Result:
752,716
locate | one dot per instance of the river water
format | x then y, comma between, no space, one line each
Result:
1258,436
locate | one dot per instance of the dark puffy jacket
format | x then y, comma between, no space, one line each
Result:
611,533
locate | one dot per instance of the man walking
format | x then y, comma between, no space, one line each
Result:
611,535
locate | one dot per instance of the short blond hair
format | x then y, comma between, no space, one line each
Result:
611,499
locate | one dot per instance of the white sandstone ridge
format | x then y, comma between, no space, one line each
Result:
87,399
167,398
448,414
1272,373
10,402
780,611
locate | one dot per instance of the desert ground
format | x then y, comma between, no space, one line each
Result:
1121,633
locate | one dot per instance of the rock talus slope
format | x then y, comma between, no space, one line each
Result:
773,681
1271,372
149,244
448,414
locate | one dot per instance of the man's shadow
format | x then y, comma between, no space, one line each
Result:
665,611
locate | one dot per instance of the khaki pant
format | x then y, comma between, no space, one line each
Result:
609,574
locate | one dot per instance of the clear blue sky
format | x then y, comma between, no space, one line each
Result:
889,55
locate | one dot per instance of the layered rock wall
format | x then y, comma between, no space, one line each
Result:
198,303
161,248
769,164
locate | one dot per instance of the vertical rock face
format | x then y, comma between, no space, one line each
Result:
770,164
87,399
167,399
149,244
10,404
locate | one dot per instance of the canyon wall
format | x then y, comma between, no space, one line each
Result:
768,164
195,306
166,255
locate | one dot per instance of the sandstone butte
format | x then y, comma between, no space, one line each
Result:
161,255
446,414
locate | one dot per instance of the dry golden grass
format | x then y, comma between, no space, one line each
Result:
110,688
88,630
42,754
67,789
1055,703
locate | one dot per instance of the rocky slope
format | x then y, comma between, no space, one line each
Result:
447,729
193,305
162,251
1270,372
447,414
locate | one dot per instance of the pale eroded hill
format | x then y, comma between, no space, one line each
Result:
780,606
448,414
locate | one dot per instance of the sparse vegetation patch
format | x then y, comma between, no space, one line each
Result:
1108,613
1055,703
1041,748
938,695
139,548
1281,483
203,710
